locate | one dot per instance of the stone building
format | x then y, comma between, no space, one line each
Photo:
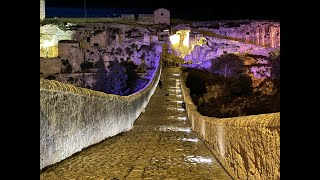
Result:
146,18
70,50
98,39
128,17
162,16
42,10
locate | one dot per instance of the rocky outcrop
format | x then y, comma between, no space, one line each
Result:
215,47
264,33
208,40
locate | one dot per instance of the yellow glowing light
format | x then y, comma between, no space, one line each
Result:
47,44
186,39
175,39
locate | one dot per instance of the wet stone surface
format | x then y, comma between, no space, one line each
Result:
161,145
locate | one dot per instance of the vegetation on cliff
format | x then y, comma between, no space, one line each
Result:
229,89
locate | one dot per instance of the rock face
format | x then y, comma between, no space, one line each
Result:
264,33
208,40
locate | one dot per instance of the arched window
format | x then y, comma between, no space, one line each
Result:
161,14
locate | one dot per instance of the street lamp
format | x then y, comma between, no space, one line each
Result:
85,9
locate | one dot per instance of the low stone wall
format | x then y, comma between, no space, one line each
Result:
248,147
72,118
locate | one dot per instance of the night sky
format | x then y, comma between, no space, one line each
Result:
187,9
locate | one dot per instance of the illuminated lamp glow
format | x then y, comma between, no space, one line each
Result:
186,39
47,44
179,95
176,74
175,39
179,101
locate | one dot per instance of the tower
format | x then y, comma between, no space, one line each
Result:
42,10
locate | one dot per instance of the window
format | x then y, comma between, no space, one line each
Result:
88,39
95,44
161,14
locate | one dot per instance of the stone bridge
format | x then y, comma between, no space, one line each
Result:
149,135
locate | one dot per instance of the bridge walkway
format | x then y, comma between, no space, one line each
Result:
161,145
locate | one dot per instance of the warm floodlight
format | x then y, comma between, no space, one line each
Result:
175,39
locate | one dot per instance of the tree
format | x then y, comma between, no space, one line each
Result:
274,60
116,80
131,72
101,76
228,65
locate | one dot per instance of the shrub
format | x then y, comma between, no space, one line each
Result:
116,80
119,50
70,79
67,68
100,84
228,65
241,86
51,77
132,33
86,65
133,46
274,61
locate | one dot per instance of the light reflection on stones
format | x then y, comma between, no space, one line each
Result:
182,118
180,109
189,139
199,159
172,128
174,87
179,101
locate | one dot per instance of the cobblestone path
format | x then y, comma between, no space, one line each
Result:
161,145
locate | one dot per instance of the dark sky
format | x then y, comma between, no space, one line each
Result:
187,9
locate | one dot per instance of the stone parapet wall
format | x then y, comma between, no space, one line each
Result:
248,147
73,118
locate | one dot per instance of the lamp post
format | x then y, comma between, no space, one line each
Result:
85,9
